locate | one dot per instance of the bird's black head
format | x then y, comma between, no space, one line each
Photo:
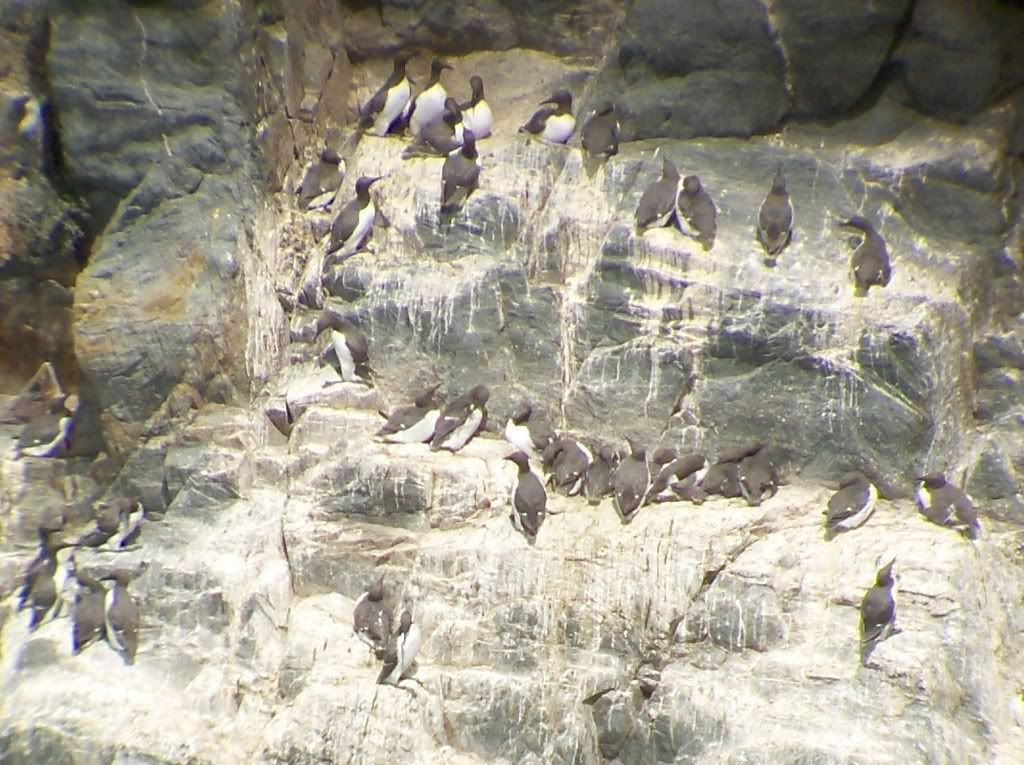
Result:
603,108
426,398
520,460
328,319
522,413
691,184
479,395
121,576
560,98
403,58
779,184
476,85
364,183
637,450
669,169
663,455
376,591
852,478
437,66
885,578
468,142
933,481
330,156
406,621
452,111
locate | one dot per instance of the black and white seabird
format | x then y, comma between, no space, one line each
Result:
371,620
402,652
412,424
553,123
723,477
349,347
946,504
390,102
429,104
43,565
52,591
869,264
352,229
632,480
529,499
88,617
698,217
677,476
440,137
460,174
321,182
597,483
567,459
852,505
759,477
658,204
121,616
460,420
775,221
49,435
601,132
527,434
476,112
878,611
117,526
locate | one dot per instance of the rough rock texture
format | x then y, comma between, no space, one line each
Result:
708,634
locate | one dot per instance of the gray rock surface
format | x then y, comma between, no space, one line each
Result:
719,633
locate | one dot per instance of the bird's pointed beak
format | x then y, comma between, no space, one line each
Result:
375,179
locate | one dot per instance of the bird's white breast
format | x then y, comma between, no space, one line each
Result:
364,225
458,437
418,433
558,128
479,119
348,367
395,101
429,107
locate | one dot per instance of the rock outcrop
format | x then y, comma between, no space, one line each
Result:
152,251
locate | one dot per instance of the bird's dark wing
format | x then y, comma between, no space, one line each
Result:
401,419
344,226
877,610
390,662
538,120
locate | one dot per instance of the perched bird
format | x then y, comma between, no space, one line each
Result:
597,483
677,477
412,424
878,611
568,460
121,616
88,619
658,204
130,527
460,420
946,504
353,227
371,620
869,263
44,565
460,174
429,104
348,345
601,132
851,506
402,651
775,221
440,137
553,123
321,182
697,214
117,526
529,499
527,434
390,102
632,480
50,589
723,477
49,435
476,112
759,478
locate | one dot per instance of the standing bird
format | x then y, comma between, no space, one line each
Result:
348,345
632,481
526,434
869,263
49,434
476,112
121,616
601,132
440,137
43,565
553,123
851,506
51,588
946,504
390,102
412,424
88,620
658,204
402,651
353,227
878,612
597,483
568,460
460,420
460,174
371,620
529,499
321,182
759,478
429,104
107,524
775,221
697,215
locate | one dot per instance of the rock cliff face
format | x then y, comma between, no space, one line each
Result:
151,250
